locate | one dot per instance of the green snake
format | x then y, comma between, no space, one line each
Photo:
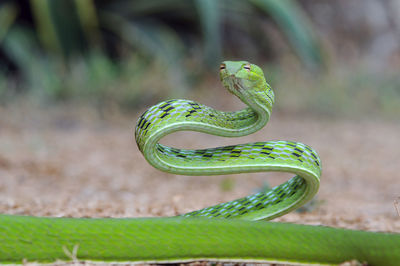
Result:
231,234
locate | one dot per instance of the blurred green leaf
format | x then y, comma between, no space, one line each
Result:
45,26
294,23
20,44
210,20
142,8
86,11
79,48
67,27
153,39
59,26
8,12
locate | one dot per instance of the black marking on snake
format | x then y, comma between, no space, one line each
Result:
308,148
144,114
169,109
267,148
266,153
164,115
258,205
190,113
272,157
291,144
263,198
182,156
200,152
242,201
208,155
162,107
144,122
281,196
195,107
313,155
316,162
298,155
278,201
174,150
166,111
148,124
140,121
299,150
228,148
160,149
235,153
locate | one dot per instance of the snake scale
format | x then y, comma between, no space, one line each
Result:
232,234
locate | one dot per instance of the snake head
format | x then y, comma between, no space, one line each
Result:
247,81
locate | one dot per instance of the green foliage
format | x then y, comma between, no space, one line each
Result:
210,21
8,13
288,15
43,46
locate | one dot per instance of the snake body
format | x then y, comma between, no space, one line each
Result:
231,234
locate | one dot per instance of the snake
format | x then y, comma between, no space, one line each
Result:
234,231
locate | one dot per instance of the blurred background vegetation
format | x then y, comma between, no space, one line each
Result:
325,57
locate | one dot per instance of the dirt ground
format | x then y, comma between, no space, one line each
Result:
58,162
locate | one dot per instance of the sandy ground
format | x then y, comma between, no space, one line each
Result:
55,162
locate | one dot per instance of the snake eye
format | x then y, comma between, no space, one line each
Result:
222,66
247,67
